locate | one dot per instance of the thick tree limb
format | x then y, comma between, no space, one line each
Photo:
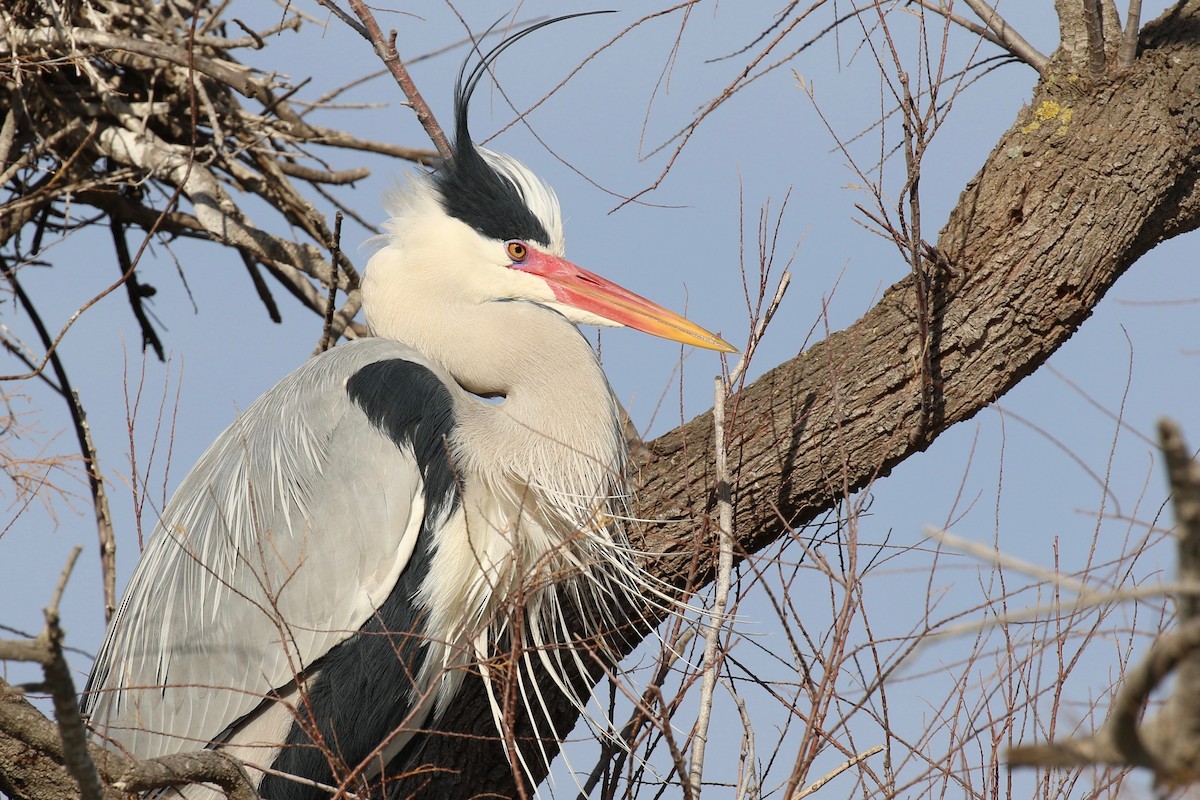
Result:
1074,193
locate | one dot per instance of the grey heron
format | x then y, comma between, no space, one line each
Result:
374,525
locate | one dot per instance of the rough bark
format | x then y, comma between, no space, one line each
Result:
1091,175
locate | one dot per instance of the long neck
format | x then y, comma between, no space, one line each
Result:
556,428
557,423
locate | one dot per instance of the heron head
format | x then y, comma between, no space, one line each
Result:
493,230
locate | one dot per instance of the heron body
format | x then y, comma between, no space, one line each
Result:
379,521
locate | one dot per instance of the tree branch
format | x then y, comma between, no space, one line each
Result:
1129,37
386,50
1010,38
1169,743
1029,265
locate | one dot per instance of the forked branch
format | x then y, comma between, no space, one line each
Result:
1167,743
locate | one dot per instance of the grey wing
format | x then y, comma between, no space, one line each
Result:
279,544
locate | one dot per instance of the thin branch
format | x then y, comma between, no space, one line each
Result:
711,665
386,50
1010,38
104,523
812,788
785,280
748,778
1127,53
260,287
134,289
335,255
83,436
336,177
981,31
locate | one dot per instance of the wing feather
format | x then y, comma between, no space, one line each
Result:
279,544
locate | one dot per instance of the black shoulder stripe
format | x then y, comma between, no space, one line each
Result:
365,685
412,406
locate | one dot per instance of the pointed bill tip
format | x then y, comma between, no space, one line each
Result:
680,329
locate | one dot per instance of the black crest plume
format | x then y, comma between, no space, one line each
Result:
471,189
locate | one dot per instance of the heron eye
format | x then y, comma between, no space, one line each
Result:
517,250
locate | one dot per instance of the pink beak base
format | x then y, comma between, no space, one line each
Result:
576,287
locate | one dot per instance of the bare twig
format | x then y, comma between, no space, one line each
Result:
386,50
748,777
335,256
785,280
1127,53
981,31
87,448
104,523
605,763
813,788
1009,36
134,290
711,666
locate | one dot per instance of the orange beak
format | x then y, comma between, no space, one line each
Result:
576,287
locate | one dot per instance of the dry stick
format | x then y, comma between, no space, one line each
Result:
83,434
76,758
725,548
1013,41
335,255
104,523
747,785
340,793
1127,53
785,280
386,50
133,287
845,765
716,616
962,22
184,769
